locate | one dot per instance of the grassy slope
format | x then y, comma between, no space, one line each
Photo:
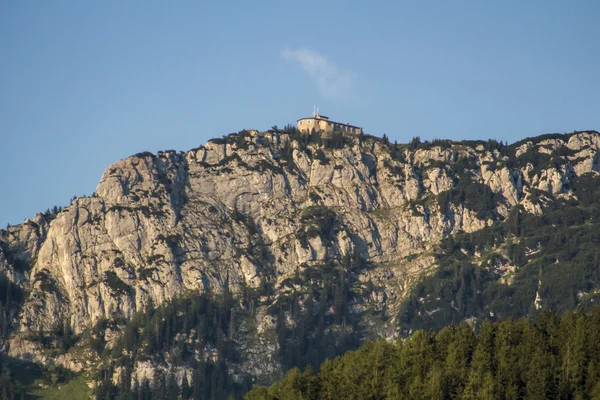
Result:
75,389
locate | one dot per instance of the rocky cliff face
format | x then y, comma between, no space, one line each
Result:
262,207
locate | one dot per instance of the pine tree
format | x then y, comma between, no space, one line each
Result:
159,390
458,359
172,388
197,384
326,378
435,383
507,373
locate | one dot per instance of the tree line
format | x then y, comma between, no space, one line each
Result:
552,357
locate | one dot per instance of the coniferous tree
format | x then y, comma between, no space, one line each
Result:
507,360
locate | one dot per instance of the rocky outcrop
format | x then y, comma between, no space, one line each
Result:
245,209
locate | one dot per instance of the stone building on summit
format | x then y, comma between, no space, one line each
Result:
322,123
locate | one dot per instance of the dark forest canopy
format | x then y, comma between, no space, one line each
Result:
551,358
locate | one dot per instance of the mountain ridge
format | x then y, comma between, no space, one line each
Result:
343,225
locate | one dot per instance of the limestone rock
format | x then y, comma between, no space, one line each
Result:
238,211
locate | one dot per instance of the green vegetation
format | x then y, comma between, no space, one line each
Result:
327,140
540,138
144,154
116,284
541,161
323,325
320,155
32,381
474,196
57,340
551,358
174,332
47,282
500,269
75,389
319,221
179,330
10,297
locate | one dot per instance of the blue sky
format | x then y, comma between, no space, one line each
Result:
85,84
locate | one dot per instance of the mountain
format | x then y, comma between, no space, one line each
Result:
258,252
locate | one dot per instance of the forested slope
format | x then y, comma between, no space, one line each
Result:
519,266
554,357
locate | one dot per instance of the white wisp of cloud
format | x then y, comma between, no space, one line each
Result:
332,81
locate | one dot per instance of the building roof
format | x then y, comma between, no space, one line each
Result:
323,118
